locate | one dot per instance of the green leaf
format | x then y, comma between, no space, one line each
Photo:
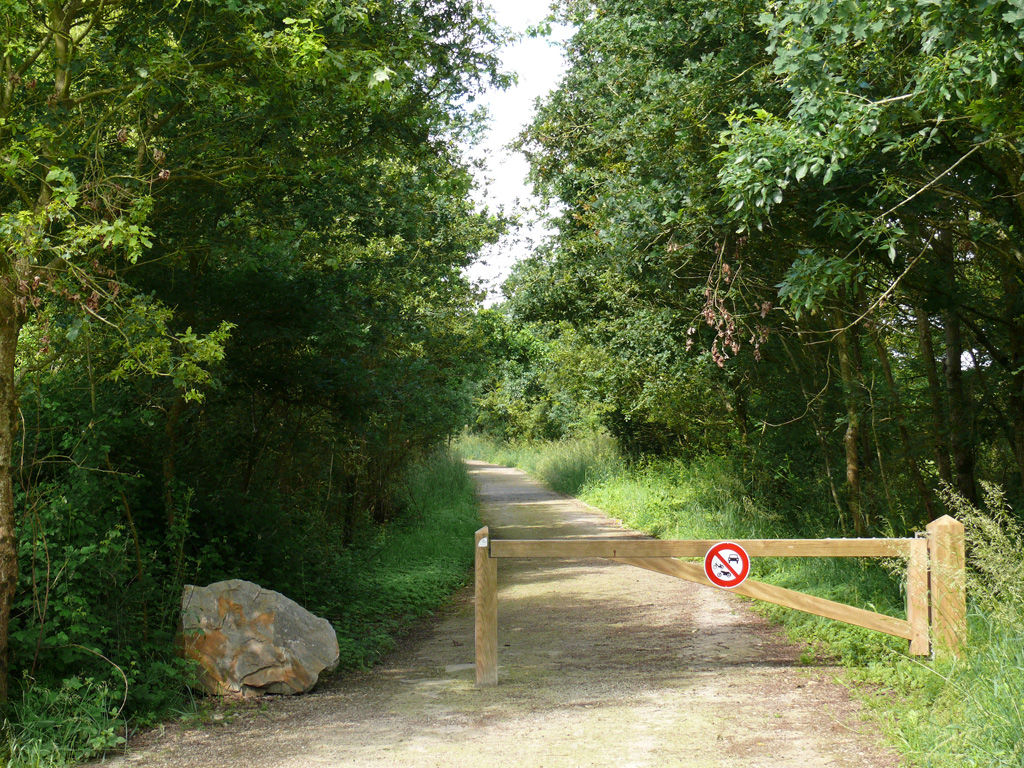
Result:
74,329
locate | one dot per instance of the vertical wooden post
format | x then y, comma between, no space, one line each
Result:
917,597
948,585
486,593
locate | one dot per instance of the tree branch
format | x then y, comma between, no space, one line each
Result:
27,63
96,94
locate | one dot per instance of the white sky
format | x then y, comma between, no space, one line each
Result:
539,65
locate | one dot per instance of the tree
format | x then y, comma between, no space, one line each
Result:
904,116
209,141
809,208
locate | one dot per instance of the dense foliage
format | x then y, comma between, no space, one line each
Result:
232,307
789,233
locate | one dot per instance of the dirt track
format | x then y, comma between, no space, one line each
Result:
599,665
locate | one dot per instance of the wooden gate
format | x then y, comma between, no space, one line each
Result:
935,588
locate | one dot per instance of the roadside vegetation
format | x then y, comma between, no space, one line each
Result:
939,713
371,592
234,329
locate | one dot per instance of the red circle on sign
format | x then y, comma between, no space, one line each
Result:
727,564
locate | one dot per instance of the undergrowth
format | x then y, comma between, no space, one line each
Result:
943,713
413,564
370,591
970,711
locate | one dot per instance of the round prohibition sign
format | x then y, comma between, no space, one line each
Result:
727,564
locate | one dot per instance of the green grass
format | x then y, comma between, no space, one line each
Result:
940,714
965,713
63,726
970,712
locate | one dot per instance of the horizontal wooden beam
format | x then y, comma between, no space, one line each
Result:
780,596
616,548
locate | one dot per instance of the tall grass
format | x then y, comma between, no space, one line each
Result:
946,713
970,711
567,466
63,726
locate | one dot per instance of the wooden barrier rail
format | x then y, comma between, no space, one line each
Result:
935,593
615,548
789,598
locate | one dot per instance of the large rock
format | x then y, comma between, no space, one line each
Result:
251,640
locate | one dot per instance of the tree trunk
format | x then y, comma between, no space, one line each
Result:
1014,308
170,457
1013,166
814,406
1017,415
938,437
735,404
959,432
851,440
883,473
864,400
820,433
904,433
741,416
10,326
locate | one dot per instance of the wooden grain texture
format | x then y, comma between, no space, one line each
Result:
486,613
917,598
948,590
616,548
780,596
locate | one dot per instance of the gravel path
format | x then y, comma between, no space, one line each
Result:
600,664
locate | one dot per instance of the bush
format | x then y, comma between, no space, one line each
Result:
371,591
970,711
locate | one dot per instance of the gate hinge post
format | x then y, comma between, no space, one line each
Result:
486,611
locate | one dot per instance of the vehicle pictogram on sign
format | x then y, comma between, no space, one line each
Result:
727,564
